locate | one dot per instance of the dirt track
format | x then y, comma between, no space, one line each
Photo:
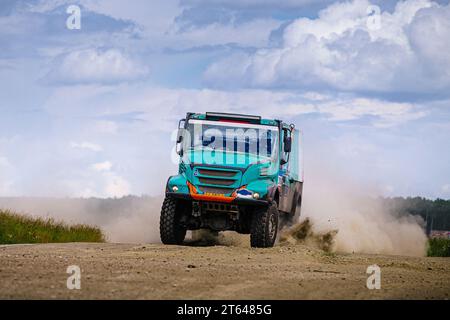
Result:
153,271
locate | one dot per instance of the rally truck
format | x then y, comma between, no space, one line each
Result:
235,172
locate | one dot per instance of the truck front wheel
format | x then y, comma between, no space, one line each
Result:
170,229
264,227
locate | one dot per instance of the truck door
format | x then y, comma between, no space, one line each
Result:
286,180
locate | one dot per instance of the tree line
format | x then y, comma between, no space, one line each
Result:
435,213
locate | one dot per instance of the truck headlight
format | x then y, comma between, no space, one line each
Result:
255,195
174,188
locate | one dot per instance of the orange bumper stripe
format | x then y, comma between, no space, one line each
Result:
209,197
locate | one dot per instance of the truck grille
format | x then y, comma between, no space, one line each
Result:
213,190
217,173
220,182
216,180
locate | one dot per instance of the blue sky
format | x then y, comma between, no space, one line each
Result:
91,112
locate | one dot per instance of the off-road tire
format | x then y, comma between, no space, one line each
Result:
264,227
170,230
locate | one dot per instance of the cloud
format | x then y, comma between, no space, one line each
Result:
409,53
387,113
253,33
106,183
166,24
87,145
37,30
116,186
158,107
204,12
102,166
255,4
96,66
106,127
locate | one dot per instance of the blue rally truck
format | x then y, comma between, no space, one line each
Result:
236,172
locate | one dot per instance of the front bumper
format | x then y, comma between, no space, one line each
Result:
237,201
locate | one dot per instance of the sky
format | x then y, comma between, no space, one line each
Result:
91,112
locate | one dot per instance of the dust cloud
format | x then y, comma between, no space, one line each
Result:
342,215
335,217
302,233
362,224
128,219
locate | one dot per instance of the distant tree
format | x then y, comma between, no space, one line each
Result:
436,213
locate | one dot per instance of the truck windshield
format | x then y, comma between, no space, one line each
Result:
230,142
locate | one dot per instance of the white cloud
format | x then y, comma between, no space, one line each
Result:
388,113
252,33
96,66
108,183
159,107
102,166
104,184
116,186
42,6
157,29
240,4
409,53
87,145
106,127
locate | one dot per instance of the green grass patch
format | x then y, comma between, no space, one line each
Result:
438,247
15,228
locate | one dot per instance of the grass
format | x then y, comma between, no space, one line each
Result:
438,247
15,228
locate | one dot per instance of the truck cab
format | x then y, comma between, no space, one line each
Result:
236,172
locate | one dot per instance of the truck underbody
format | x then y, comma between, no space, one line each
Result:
216,216
261,219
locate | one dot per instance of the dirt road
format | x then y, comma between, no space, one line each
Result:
153,271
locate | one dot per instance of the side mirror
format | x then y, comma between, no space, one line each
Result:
287,144
180,133
179,149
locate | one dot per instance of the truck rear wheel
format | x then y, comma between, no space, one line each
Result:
264,227
170,229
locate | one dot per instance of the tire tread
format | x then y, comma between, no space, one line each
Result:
167,222
259,235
